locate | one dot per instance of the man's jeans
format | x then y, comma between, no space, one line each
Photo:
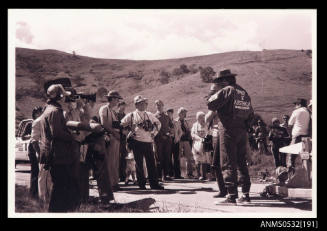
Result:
233,157
44,184
216,164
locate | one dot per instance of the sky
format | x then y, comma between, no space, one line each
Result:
160,34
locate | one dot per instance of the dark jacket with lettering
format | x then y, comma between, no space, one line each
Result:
233,106
56,140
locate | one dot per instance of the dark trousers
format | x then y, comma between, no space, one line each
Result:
64,190
34,172
163,155
216,164
280,158
84,182
175,168
140,150
122,160
233,152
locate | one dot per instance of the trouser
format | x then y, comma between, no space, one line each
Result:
163,153
122,160
280,158
175,168
292,157
113,160
145,149
101,174
233,157
84,182
76,170
34,173
64,190
44,184
216,164
185,147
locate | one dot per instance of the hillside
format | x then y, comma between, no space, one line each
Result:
273,78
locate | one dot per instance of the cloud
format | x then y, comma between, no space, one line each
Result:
161,34
23,33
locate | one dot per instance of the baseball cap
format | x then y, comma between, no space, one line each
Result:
139,98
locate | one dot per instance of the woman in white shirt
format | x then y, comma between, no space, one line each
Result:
202,158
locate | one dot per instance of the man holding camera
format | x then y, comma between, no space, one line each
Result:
56,152
144,127
110,122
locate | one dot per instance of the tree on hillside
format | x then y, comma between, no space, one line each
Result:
207,74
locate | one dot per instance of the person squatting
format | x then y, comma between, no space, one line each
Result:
142,147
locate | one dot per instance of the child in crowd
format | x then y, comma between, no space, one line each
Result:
130,167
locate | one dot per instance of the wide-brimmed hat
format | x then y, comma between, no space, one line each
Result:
181,109
158,101
302,102
170,110
223,74
113,94
139,99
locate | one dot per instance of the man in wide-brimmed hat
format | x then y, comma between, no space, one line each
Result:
234,109
143,126
110,122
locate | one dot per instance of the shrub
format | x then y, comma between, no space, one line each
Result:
102,91
193,69
207,74
177,71
184,68
164,76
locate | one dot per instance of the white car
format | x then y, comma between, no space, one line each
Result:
23,137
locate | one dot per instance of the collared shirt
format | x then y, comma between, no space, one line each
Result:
166,123
107,116
300,120
138,118
36,130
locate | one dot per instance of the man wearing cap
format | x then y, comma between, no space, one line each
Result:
279,138
110,122
122,149
212,120
300,120
143,126
163,142
56,153
234,109
184,138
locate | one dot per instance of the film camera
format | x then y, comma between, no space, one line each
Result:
147,125
66,83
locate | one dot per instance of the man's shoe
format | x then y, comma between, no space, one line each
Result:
167,178
245,199
190,176
227,201
178,177
142,187
220,195
201,178
158,187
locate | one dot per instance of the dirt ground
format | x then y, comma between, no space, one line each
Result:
194,196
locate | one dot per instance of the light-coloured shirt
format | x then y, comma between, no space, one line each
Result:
107,116
198,131
139,117
36,130
300,120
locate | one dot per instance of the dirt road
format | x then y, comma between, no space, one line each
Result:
193,196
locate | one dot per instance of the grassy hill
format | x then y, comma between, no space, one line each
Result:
273,78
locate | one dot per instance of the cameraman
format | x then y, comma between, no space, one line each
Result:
110,122
56,152
144,127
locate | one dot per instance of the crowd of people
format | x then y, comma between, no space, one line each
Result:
141,146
